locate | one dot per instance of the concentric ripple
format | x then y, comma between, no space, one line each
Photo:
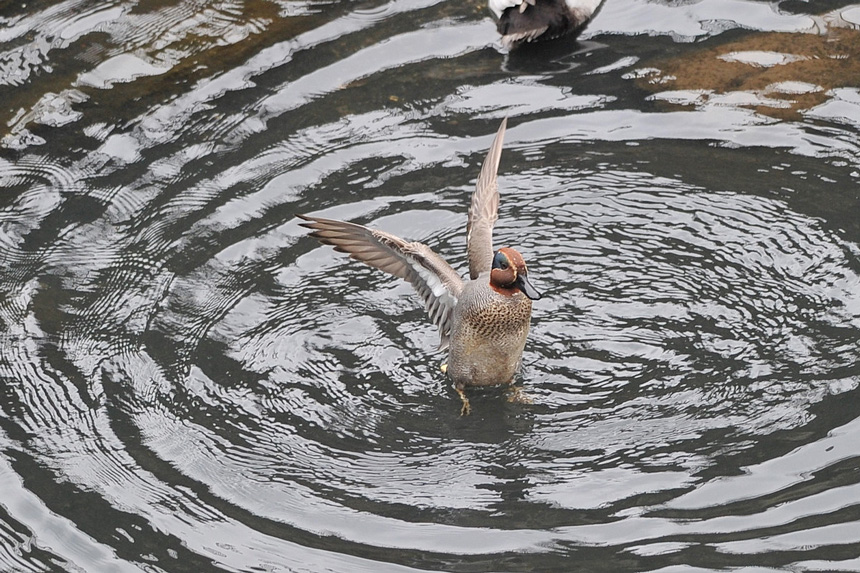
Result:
191,383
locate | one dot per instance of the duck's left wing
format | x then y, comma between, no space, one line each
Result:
484,210
435,281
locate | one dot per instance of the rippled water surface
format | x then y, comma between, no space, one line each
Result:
190,383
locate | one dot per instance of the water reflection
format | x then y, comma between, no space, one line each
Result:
191,383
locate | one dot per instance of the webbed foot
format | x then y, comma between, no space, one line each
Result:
516,395
466,409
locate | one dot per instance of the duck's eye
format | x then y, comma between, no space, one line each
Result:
500,261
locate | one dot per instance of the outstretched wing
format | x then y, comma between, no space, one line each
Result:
484,210
436,282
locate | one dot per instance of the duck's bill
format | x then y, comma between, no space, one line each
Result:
526,287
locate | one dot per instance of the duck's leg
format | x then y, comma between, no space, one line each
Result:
466,409
516,395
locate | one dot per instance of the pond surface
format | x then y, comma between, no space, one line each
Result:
191,383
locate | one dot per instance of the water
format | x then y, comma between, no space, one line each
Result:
190,383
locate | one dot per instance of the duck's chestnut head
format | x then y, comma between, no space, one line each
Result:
509,274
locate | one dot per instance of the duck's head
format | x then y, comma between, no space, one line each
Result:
509,274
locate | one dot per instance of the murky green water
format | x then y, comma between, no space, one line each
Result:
190,383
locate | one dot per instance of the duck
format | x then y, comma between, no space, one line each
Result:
523,21
483,322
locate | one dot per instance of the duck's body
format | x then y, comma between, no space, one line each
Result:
482,322
521,21
488,334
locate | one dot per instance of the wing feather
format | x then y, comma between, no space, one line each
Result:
484,209
434,280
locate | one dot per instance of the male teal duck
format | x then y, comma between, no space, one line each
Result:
521,21
482,322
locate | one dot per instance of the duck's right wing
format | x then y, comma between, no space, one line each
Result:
436,282
484,210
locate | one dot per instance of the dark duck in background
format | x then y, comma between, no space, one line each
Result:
521,21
